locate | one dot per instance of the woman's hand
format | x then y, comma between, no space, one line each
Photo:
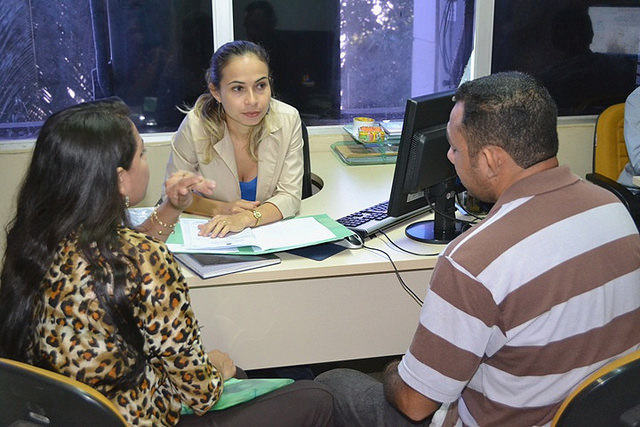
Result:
180,185
223,363
220,225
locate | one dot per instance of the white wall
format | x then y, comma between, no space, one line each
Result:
576,141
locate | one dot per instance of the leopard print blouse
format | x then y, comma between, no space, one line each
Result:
73,338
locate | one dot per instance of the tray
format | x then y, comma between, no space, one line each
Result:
389,139
355,153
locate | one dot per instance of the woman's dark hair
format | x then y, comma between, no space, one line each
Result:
71,191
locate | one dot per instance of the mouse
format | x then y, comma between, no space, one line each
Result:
353,241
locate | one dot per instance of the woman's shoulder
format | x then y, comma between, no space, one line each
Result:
143,244
191,121
153,256
283,108
284,115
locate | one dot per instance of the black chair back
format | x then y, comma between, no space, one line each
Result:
307,187
610,397
32,396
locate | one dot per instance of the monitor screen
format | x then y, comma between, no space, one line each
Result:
423,173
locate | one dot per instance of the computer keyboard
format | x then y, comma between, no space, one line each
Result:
368,221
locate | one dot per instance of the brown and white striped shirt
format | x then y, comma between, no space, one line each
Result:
528,303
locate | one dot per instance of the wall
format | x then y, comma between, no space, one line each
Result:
14,162
576,150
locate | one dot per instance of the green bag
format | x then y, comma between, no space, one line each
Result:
238,391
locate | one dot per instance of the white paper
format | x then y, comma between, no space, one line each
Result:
281,234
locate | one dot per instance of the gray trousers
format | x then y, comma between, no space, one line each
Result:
359,401
303,403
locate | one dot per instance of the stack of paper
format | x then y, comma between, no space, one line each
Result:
392,127
279,236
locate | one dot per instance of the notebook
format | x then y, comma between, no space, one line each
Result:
212,265
238,391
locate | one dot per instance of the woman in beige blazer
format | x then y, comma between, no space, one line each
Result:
247,142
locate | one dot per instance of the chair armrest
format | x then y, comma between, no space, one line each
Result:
631,201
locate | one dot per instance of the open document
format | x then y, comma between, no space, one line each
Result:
279,236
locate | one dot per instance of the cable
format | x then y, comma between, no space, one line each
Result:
466,211
445,215
406,250
407,289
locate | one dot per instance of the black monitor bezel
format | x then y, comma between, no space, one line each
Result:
421,113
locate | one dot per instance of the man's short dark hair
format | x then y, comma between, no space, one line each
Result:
511,110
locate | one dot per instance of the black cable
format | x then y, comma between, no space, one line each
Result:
445,215
407,289
466,211
406,250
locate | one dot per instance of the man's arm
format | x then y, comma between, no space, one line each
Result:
632,128
405,399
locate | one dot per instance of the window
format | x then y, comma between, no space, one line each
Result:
331,59
586,55
150,53
336,60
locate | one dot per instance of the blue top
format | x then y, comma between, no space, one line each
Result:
248,189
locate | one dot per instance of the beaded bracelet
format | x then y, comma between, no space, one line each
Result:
154,217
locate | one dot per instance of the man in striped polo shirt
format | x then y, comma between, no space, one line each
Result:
528,303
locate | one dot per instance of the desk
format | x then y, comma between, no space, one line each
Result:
349,306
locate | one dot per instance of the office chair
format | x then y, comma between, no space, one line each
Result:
610,156
32,396
609,397
307,187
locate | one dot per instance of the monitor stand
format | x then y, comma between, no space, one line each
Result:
443,228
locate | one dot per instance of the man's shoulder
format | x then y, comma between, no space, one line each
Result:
634,97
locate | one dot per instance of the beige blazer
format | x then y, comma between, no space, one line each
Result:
280,160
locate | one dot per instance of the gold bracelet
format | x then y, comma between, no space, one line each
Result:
154,218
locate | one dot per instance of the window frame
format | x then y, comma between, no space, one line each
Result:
479,63
222,22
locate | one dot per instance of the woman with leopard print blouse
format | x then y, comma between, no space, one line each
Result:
86,295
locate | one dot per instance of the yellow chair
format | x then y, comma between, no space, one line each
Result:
610,156
610,152
609,397
32,396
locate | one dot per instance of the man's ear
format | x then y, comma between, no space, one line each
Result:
123,180
494,159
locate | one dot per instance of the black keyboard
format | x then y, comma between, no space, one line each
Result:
368,221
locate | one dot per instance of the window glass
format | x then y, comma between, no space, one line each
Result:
151,53
334,60
586,53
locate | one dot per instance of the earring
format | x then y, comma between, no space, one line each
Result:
126,202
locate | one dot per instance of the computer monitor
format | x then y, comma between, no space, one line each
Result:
423,173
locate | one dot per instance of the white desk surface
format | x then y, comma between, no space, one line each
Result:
349,306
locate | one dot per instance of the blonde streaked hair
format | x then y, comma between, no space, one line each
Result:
212,113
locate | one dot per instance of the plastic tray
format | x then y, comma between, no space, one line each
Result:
353,153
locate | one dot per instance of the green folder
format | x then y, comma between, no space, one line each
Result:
339,231
237,391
